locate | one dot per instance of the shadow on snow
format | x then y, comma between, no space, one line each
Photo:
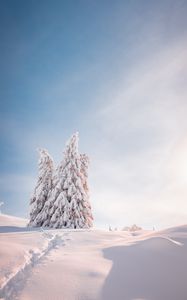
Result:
149,270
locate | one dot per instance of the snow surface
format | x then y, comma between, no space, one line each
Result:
6,220
91,264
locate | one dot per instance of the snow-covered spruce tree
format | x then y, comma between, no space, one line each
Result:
84,177
42,189
71,207
55,198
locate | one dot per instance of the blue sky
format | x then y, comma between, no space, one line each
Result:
116,71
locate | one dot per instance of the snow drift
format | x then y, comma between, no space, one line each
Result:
92,264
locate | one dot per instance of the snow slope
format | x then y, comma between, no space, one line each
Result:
93,264
6,220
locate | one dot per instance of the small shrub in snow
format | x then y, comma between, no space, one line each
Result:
110,228
1,204
132,228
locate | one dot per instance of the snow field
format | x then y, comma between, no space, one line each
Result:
93,264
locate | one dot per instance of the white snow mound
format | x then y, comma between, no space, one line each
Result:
7,220
92,264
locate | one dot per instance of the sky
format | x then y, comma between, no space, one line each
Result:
116,71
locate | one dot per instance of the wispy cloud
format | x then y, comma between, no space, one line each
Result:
145,122
117,73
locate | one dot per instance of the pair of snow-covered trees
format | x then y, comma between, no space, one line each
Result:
61,197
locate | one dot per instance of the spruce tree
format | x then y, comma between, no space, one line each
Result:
42,189
53,206
70,197
84,176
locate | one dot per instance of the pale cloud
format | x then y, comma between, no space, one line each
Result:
151,95
137,172
145,118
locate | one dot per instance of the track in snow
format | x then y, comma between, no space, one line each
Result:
15,282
